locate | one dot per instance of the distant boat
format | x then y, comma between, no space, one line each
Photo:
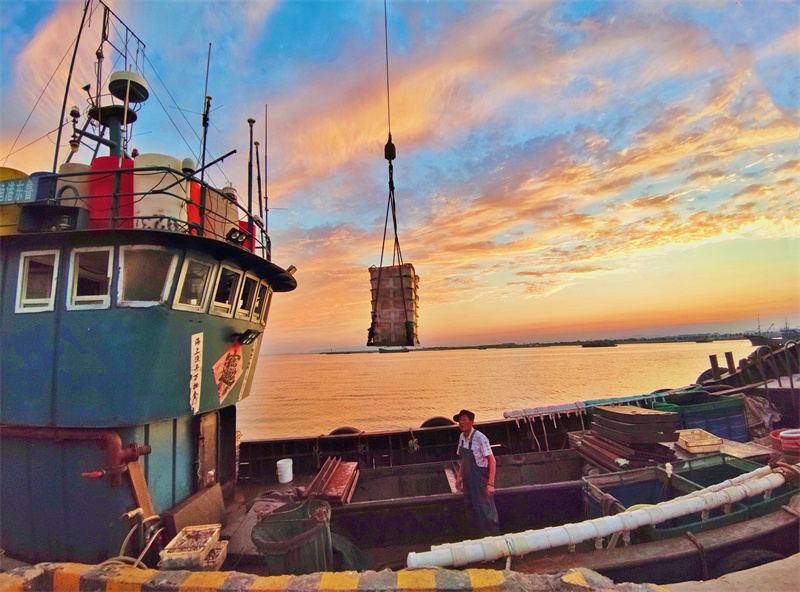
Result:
392,350
757,340
599,343
790,334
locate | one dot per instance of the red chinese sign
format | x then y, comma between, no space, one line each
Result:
228,369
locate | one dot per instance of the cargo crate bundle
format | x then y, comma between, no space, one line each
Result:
394,306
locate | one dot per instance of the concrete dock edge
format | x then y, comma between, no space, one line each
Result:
76,577
778,576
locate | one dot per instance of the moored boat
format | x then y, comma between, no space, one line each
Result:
765,376
134,301
694,519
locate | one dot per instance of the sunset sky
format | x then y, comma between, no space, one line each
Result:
565,170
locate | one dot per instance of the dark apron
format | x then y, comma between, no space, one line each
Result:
480,506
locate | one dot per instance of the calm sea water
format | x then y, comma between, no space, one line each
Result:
312,394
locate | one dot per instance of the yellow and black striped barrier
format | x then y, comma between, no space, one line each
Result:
76,577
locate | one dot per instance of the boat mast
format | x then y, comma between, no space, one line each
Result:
66,90
266,173
206,109
250,122
260,202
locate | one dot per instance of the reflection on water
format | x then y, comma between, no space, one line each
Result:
310,394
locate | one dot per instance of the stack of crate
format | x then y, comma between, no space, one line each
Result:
394,306
195,548
335,482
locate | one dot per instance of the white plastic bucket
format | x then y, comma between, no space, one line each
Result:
284,470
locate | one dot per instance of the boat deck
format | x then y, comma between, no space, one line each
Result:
242,514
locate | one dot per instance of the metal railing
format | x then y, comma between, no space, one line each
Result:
220,217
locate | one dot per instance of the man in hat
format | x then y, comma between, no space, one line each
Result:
476,477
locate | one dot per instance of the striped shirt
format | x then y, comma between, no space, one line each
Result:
480,446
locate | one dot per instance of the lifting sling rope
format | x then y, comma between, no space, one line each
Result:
390,153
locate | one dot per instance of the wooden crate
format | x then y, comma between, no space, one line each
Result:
190,547
696,440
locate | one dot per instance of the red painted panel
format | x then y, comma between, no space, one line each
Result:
101,188
193,211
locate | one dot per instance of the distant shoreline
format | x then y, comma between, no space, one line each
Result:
695,338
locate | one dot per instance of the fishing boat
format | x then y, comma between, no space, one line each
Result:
416,505
789,333
759,340
766,376
135,297
403,506
695,519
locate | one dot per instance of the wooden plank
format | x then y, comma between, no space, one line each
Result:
634,414
351,485
240,544
204,507
450,472
140,490
317,485
336,486
352,488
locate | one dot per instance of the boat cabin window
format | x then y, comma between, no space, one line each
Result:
248,296
90,278
262,303
145,275
36,283
194,284
226,291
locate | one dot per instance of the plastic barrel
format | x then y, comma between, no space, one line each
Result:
284,470
69,190
101,188
790,444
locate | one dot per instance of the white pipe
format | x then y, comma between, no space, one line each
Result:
493,548
757,473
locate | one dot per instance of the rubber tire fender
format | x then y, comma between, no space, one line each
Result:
344,430
437,421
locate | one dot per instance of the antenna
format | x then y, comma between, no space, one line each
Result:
250,122
266,174
206,108
69,79
260,209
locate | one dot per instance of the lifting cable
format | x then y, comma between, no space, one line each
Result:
390,153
